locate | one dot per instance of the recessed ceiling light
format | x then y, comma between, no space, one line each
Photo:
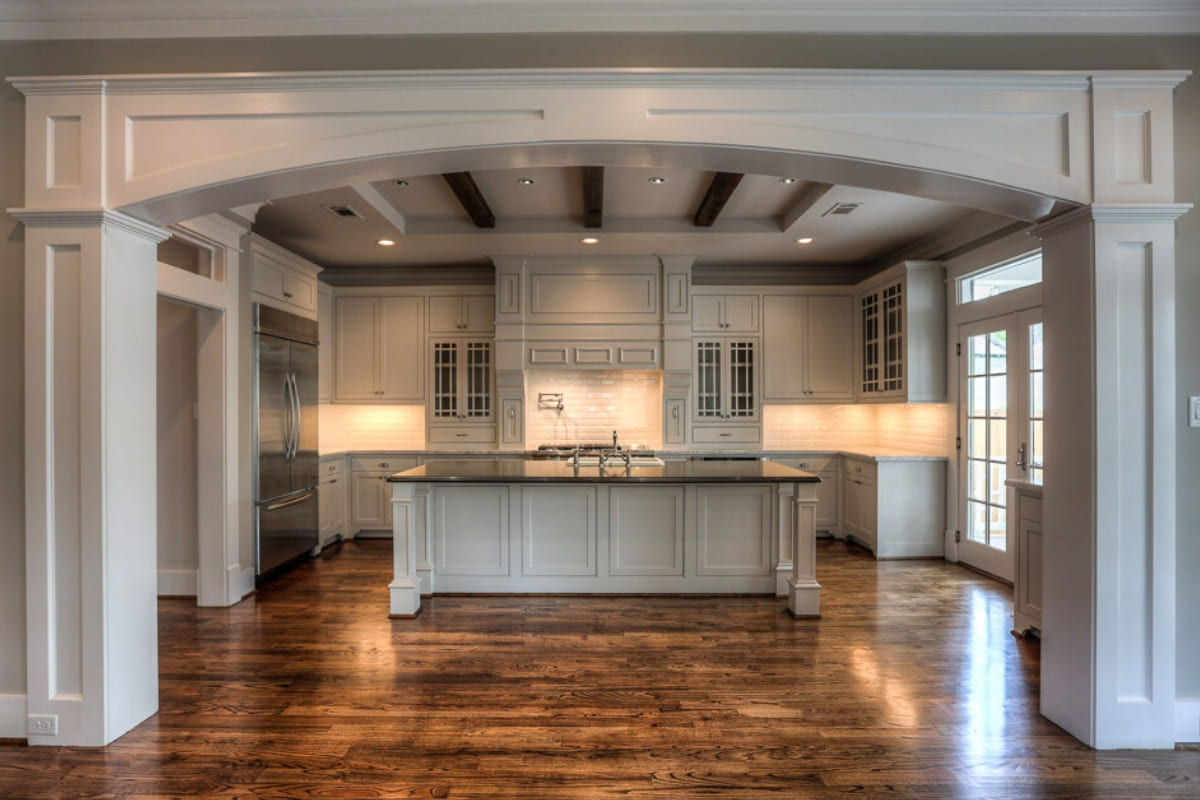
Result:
805,240
590,240
402,182
787,181
386,243
658,179
525,181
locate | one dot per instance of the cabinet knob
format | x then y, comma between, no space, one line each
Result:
332,480
288,295
384,464
804,464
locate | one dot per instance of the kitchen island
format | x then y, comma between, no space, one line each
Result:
530,526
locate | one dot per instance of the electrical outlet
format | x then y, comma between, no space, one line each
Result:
1194,412
43,724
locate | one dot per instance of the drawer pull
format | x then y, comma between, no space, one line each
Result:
384,464
804,464
332,480
727,434
461,435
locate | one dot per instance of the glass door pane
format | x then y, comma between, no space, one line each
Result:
478,387
708,380
986,431
1036,447
445,380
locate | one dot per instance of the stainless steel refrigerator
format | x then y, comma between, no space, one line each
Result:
285,435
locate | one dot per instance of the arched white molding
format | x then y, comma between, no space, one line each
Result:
169,148
1009,142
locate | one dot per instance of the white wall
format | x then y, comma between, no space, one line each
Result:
178,543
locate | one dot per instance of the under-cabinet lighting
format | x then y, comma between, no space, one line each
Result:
386,243
590,240
805,240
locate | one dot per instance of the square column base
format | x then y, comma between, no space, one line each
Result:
804,598
405,598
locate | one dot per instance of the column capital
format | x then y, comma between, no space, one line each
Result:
1128,213
89,218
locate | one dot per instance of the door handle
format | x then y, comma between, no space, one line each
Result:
1021,463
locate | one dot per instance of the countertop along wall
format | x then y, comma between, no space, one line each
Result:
591,50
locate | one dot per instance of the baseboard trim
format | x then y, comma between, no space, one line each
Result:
1187,721
178,583
12,716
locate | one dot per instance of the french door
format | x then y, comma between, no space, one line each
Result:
1001,423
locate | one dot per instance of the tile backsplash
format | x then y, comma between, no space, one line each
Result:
595,403
370,427
912,428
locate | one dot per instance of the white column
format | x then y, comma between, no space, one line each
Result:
804,593
1108,648
405,588
90,466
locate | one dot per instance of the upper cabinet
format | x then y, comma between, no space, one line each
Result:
457,315
325,347
282,279
902,334
731,313
380,352
808,348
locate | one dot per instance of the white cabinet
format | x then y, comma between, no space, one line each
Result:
733,530
325,347
902,334
725,313
1027,552
370,492
459,314
808,348
826,468
461,392
282,279
895,507
331,499
380,349
726,393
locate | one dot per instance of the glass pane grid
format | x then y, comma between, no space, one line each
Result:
741,379
479,380
869,311
708,372
1037,404
986,432
445,380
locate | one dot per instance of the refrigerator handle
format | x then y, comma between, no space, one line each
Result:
291,501
294,395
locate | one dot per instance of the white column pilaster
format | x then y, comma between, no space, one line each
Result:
1108,650
90,465
405,588
804,593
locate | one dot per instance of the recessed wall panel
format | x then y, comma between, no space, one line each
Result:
560,530
471,530
64,152
645,529
1133,148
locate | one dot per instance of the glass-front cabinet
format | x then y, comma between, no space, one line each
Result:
726,411
461,392
901,335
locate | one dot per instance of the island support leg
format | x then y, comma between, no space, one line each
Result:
405,588
804,593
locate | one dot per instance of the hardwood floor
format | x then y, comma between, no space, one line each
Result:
910,686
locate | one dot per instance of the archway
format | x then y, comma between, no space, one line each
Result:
105,155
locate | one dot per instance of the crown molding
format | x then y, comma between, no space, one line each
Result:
148,19
89,218
1114,213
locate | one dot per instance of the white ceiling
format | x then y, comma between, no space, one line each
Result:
123,19
758,227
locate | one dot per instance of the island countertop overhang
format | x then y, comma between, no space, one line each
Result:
537,471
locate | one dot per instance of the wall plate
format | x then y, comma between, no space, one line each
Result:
1194,412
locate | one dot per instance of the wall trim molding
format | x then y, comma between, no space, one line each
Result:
178,582
12,716
89,218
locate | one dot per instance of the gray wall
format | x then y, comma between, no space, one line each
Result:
899,52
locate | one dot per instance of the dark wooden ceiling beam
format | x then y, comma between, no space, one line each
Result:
473,202
718,194
593,197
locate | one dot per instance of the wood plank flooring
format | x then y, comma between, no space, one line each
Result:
910,686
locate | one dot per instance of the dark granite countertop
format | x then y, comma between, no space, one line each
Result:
537,471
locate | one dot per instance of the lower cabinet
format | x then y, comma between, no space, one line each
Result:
370,492
1027,553
895,507
826,468
331,499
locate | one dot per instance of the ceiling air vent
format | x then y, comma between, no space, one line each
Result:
840,209
343,211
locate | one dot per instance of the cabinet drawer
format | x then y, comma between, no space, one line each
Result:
383,464
331,469
810,463
860,469
461,434
726,434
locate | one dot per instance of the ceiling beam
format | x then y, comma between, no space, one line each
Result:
464,188
807,199
381,204
718,194
593,197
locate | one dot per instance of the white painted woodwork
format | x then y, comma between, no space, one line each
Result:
175,147
331,499
646,528
90,455
1027,555
724,313
512,421
558,526
674,421
828,469
470,532
733,530
178,513
370,493
808,348
325,346
404,592
379,349
461,314
912,341
282,279
895,507
1109,306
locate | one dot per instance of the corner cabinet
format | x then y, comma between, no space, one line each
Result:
379,349
901,334
461,392
370,492
331,500
895,506
281,279
808,348
726,410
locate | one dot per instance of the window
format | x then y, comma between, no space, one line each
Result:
997,279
